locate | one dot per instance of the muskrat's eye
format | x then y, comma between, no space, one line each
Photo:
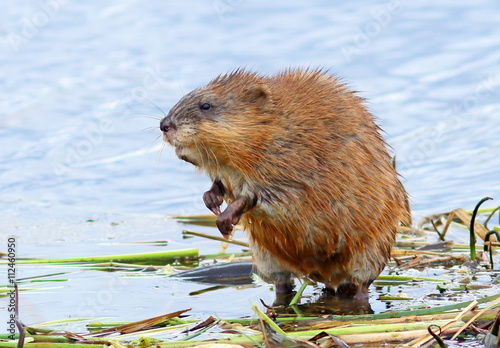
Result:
205,106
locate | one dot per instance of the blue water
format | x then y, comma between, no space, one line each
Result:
78,128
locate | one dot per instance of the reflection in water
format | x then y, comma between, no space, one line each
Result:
239,274
324,304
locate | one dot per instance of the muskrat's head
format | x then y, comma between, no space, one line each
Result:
223,120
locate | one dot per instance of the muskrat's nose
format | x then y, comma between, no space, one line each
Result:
166,125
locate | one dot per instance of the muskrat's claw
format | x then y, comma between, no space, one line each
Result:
213,201
226,221
214,197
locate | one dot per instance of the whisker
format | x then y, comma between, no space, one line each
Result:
160,152
153,142
207,152
228,150
153,117
155,105
156,139
202,157
210,151
210,156
179,83
150,130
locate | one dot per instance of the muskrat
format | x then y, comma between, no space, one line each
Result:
300,162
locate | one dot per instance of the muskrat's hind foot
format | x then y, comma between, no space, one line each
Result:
283,299
349,290
362,293
283,288
284,292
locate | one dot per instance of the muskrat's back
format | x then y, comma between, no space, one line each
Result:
301,162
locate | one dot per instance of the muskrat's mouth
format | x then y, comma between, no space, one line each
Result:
166,138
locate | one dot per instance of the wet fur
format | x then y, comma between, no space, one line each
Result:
308,152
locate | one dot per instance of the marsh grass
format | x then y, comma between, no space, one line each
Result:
419,247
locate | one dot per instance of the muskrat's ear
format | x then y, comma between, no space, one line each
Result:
255,93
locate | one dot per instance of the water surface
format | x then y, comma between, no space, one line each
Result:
79,138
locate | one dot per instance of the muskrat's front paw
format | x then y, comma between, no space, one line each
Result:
213,201
225,222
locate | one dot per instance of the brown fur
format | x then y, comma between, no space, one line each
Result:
321,196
